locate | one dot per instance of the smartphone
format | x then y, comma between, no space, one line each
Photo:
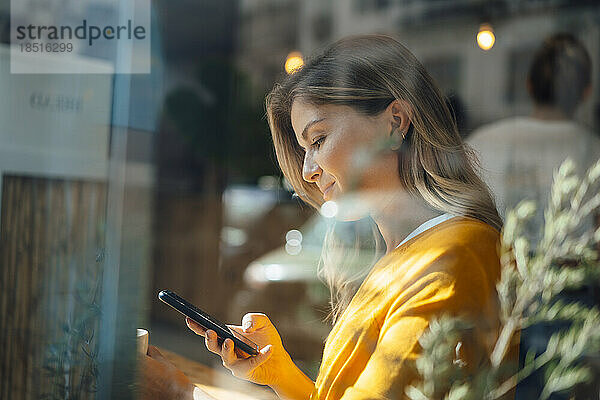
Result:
207,322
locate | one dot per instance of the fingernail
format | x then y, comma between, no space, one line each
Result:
226,343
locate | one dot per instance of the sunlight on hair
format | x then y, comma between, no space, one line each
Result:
329,209
293,62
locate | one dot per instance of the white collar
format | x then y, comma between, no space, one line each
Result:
427,225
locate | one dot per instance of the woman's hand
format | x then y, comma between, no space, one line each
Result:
266,368
159,379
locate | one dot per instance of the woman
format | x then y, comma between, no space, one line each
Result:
364,121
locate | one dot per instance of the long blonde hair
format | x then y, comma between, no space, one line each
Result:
367,73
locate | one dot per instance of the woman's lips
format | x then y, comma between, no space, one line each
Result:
327,192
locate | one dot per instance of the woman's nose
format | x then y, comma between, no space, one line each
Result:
311,170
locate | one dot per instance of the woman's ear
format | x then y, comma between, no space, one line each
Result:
400,113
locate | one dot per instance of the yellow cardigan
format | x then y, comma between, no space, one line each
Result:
450,268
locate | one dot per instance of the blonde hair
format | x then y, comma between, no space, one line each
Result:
367,73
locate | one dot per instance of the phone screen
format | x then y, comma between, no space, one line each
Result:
207,321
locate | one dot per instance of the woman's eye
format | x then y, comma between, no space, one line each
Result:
319,142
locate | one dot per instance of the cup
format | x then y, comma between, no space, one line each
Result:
142,341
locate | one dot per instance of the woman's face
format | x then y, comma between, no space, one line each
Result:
347,152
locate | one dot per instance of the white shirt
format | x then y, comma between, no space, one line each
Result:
519,155
427,225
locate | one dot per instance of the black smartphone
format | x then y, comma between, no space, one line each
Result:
207,322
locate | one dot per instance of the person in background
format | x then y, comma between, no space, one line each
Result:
362,124
518,155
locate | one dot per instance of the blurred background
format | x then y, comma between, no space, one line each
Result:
116,186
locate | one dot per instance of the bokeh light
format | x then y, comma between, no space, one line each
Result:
329,209
486,37
293,248
293,245
293,234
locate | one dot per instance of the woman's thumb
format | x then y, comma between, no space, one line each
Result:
253,321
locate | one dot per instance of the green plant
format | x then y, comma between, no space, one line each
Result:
532,279
71,362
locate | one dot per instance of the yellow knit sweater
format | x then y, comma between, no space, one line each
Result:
450,268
